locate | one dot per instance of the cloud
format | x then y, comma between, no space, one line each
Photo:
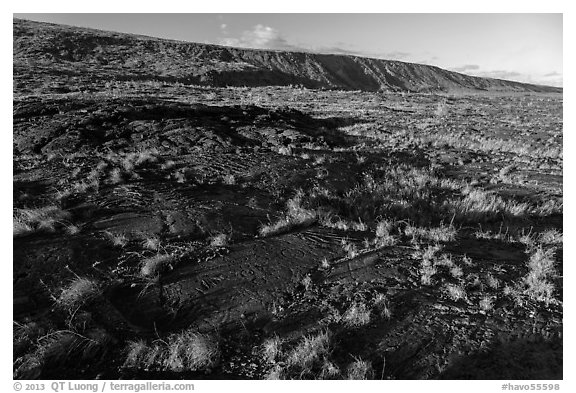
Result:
553,73
466,68
259,37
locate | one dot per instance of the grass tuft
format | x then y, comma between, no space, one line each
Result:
184,351
44,219
295,216
309,350
155,265
356,315
359,370
79,292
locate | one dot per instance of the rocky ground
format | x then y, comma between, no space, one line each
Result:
408,229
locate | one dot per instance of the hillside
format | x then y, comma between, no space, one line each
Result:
71,54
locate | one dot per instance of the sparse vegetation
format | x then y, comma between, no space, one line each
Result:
440,234
45,219
184,351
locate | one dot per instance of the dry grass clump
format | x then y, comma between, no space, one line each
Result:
324,264
427,263
551,237
295,216
79,292
309,351
492,281
455,292
536,281
427,271
329,370
219,240
121,167
306,282
117,239
184,351
308,359
155,265
443,233
191,351
72,229
549,207
487,144
62,347
359,370
384,237
382,305
486,303
229,179
479,205
356,315
26,221
271,349
326,220
350,248
151,243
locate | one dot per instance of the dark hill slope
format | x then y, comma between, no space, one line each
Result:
71,52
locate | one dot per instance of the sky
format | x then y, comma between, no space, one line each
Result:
520,47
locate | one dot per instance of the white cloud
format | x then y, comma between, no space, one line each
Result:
260,37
